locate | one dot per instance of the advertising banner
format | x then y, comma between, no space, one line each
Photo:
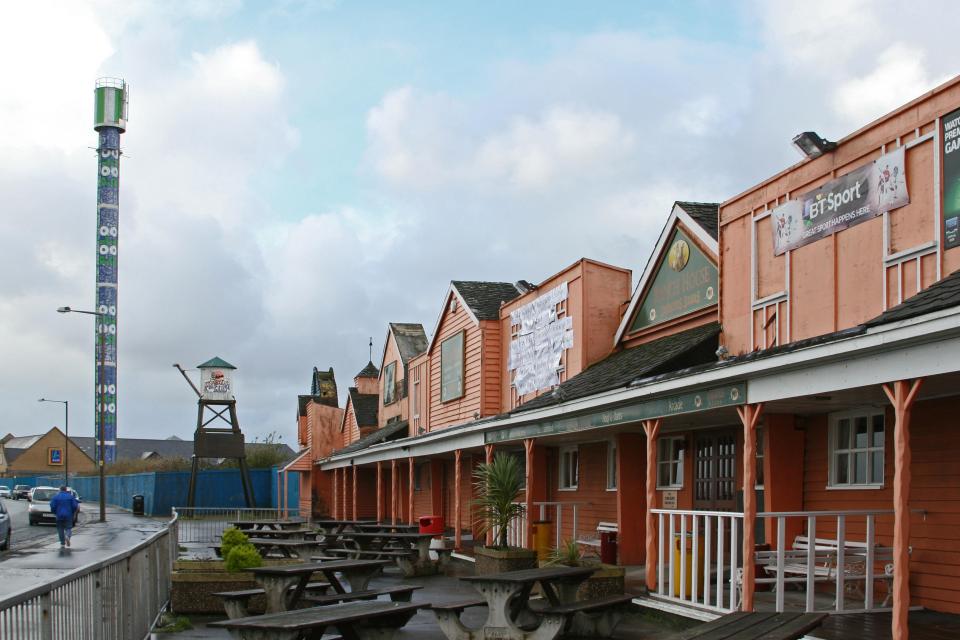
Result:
950,134
862,194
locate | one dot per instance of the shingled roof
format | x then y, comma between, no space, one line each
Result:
411,339
485,298
390,431
365,407
706,214
369,371
685,349
938,296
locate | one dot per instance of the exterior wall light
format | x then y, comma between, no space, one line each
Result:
812,145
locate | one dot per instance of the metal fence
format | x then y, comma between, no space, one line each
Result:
206,524
114,599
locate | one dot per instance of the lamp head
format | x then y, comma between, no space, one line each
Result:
812,145
64,309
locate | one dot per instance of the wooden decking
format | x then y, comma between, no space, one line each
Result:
924,625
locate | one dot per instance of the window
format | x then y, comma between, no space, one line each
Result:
856,449
416,400
418,473
759,470
670,462
389,383
569,468
612,466
451,368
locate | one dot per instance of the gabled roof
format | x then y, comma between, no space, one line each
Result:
410,338
940,295
705,214
216,362
369,371
485,298
23,442
390,431
680,350
702,223
365,407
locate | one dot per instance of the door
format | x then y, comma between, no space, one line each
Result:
714,478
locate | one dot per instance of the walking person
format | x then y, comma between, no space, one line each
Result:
64,505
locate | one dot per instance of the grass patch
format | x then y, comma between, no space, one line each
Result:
170,623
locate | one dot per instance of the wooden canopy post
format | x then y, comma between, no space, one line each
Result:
902,395
393,491
457,507
528,494
749,416
410,489
652,429
488,453
355,492
379,491
336,493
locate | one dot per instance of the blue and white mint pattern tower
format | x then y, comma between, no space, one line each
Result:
110,120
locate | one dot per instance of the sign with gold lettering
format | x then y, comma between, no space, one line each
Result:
686,281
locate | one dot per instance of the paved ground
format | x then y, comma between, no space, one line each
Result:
37,558
640,626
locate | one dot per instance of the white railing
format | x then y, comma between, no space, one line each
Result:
206,524
555,510
698,557
853,563
516,532
114,599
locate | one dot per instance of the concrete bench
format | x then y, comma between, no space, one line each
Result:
235,603
398,593
593,618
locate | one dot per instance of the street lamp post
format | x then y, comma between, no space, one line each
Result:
66,437
102,352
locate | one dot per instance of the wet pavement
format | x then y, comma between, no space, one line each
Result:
39,560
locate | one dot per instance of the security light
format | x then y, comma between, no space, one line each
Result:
812,145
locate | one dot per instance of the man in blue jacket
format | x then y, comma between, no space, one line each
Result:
63,506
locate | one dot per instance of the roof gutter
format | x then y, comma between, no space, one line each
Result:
928,328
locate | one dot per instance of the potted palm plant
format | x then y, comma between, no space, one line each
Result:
497,486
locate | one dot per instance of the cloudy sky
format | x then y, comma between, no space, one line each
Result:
299,173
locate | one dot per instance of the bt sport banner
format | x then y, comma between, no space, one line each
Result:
862,194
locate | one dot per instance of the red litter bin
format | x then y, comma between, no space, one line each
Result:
432,524
608,547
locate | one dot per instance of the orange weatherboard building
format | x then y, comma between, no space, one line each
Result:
769,405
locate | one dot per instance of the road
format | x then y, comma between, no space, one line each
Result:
24,535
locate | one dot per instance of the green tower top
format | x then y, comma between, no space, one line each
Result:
111,99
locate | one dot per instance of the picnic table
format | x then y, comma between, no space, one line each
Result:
276,581
287,534
507,597
286,548
755,625
410,551
369,620
377,527
277,524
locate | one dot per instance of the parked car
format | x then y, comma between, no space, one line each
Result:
5,491
39,509
21,491
6,527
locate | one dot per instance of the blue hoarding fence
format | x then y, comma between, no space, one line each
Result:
163,490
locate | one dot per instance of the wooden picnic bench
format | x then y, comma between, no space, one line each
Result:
353,620
286,548
276,581
254,525
410,551
236,603
509,614
820,562
754,626
396,593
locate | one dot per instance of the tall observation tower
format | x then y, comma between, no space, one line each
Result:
110,120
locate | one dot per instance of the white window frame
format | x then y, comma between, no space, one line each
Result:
680,461
612,465
567,480
833,451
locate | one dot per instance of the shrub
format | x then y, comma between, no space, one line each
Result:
568,554
243,556
231,538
